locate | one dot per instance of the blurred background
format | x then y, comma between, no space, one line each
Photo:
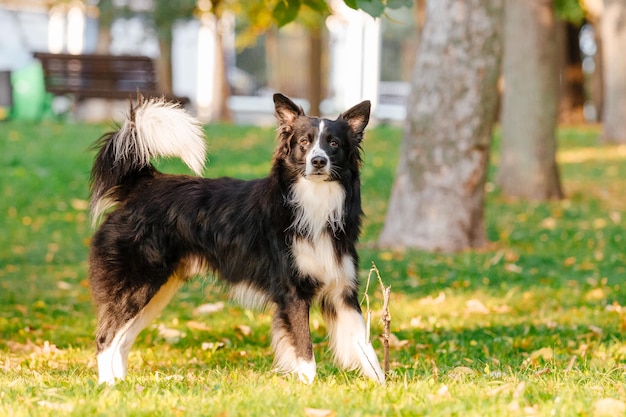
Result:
326,62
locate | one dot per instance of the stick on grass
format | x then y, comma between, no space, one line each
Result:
385,318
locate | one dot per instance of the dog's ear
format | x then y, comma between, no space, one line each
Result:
357,118
286,110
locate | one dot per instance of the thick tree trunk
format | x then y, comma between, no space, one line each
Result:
613,29
528,167
437,201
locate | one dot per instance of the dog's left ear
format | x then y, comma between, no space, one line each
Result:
357,118
286,110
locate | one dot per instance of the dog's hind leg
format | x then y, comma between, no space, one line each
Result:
347,333
291,339
120,322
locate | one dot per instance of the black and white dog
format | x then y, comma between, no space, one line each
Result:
286,240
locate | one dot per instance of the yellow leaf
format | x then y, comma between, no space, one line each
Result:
599,224
441,297
596,294
196,325
79,205
386,256
512,268
396,343
245,330
569,261
546,354
319,412
549,223
461,372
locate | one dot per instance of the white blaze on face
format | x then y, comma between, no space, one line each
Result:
317,151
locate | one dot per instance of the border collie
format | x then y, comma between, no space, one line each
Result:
287,240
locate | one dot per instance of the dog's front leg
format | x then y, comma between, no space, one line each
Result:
291,339
347,334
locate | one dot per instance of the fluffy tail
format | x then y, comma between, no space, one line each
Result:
153,128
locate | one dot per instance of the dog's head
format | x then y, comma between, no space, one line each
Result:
320,149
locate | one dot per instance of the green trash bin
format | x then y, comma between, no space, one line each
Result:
6,94
29,92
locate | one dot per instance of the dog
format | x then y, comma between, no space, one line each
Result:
287,240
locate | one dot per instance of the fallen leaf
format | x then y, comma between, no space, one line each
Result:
396,343
596,294
543,371
595,330
501,309
209,308
599,223
78,204
386,256
499,389
212,345
475,307
443,391
416,321
196,325
546,354
319,412
68,408
245,330
609,407
441,297
512,268
461,372
569,261
549,223
170,335
62,285
29,347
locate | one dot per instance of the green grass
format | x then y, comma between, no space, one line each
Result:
532,326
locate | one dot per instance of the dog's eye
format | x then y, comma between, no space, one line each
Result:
304,141
333,143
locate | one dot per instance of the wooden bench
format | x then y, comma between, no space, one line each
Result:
101,76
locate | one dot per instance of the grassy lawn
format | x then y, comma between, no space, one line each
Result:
532,326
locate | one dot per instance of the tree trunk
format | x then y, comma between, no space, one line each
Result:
613,29
315,72
437,201
221,92
530,102
164,65
572,94
595,82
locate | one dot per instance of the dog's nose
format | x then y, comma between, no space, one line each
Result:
319,162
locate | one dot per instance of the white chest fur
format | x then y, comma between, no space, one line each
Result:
319,261
319,204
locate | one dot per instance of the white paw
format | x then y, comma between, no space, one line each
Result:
306,371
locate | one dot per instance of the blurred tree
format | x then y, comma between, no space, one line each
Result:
162,17
437,201
165,14
613,34
528,167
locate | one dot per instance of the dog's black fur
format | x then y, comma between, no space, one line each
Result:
262,237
